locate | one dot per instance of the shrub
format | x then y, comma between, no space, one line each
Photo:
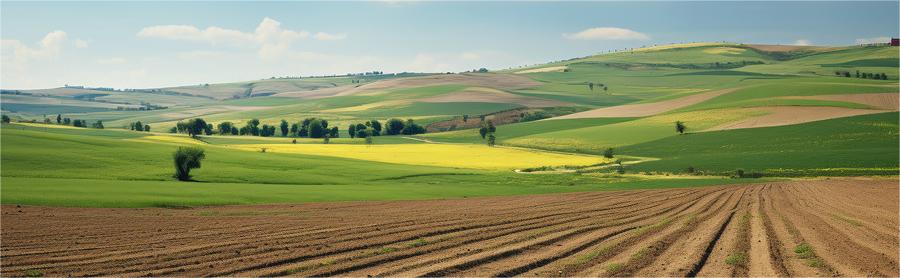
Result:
5,119
608,153
187,158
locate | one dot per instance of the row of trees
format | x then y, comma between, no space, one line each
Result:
487,132
138,126
867,75
393,126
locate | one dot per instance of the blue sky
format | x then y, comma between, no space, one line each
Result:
154,44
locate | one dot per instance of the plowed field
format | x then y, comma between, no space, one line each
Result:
846,227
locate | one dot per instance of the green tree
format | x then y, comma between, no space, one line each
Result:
411,128
5,119
284,128
680,127
315,129
393,126
608,153
58,118
234,130
491,140
99,124
196,127
334,132
376,127
147,128
225,127
187,158
483,131
253,127
352,130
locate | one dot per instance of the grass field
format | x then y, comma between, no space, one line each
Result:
78,166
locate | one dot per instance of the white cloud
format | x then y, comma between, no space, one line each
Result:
49,47
269,36
112,61
802,42
607,33
79,43
873,40
322,36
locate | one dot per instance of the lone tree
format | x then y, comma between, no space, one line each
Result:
5,119
680,127
58,118
187,158
608,153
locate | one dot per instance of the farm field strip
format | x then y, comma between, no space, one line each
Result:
755,229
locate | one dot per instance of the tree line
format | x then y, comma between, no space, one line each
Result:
392,126
864,75
307,128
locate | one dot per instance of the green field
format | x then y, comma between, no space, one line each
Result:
113,167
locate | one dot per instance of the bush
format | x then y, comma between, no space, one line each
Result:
608,153
187,158
5,119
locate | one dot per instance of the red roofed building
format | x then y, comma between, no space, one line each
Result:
895,42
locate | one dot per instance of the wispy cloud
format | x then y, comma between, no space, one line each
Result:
112,61
607,33
322,36
79,43
873,40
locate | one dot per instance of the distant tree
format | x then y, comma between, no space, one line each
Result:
264,132
482,117
284,128
491,140
393,126
58,118
352,130
362,133
838,73
608,153
315,129
361,127
883,76
173,130
195,127
79,123
99,124
225,127
483,131
5,118
66,121
137,126
491,127
857,73
591,86
605,88
412,128
253,127
482,70
234,130
47,120
376,126
334,132
680,127
208,129
294,129
846,74
465,118
187,158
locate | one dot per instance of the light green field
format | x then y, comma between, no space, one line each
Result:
116,168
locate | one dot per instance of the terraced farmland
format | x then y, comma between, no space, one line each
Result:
795,228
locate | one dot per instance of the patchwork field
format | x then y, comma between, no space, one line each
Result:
798,228
700,159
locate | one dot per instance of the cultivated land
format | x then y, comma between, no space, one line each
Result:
788,167
838,227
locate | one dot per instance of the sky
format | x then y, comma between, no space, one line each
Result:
159,44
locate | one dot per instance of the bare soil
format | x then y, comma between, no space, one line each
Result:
850,224
791,115
477,94
886,101
647,109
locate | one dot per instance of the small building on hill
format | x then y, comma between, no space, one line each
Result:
895,42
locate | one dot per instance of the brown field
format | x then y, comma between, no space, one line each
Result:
647,109
791,115
851,226
887,101
480,94
500,81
